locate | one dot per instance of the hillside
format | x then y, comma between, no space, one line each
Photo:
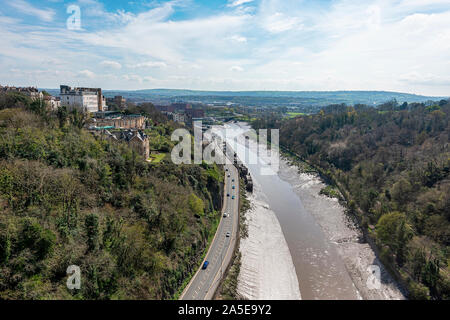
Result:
136,230
392,165
268,98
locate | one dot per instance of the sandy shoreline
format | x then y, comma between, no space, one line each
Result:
267,271
340,230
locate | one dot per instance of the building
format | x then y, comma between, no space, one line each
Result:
118,101
136,139
195,113
175,116
179,117
86,99
117,120
52,103
182,106
31,92
165,108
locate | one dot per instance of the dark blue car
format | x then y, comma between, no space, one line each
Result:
205,265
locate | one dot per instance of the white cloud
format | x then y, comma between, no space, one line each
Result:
238,38
279,44
279,22
87,74
26,8
149,79
170,41
427,79
150,64
236,3
111,64
133,77
94,8
237,68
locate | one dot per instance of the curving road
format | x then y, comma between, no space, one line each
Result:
205,282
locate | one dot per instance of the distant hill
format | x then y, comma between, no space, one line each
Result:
266,98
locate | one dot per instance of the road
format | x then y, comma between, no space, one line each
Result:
205,282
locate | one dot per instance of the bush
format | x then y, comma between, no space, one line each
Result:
418,291
39,240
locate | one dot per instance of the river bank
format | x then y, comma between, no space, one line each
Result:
358,256
267,271
300,243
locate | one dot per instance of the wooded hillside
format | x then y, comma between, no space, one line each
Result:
394,164
136,230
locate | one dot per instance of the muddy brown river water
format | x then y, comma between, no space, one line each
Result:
320,270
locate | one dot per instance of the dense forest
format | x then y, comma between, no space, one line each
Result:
136,230
392,165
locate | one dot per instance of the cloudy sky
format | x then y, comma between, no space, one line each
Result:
394,45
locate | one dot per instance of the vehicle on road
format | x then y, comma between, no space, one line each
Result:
228,234
234,187
233,197
226,215
232,180
205,265
228,195
229,175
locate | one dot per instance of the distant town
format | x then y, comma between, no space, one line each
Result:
114,118
108,116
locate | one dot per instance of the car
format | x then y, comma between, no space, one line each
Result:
226,215
228,195
232,180
205,265
234,187
226,169
228,234
233,197
229,175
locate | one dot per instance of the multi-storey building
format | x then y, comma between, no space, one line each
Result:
32,92
86,99
53,103
136,139
119,121
118,101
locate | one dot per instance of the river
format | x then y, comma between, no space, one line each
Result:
320,271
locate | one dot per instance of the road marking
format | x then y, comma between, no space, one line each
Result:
221,247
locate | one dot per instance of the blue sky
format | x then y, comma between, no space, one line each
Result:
395,45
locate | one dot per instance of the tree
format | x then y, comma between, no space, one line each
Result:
393,231
63,116
402,241
91,224
196,204
33,236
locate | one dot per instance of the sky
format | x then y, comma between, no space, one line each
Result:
236,45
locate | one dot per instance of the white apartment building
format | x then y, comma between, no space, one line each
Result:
86,99
178,117
52,103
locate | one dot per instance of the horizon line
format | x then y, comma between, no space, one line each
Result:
264,90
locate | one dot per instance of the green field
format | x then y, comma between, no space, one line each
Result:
157,158
295,114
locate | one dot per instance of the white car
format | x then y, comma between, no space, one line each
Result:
228,234
226,215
